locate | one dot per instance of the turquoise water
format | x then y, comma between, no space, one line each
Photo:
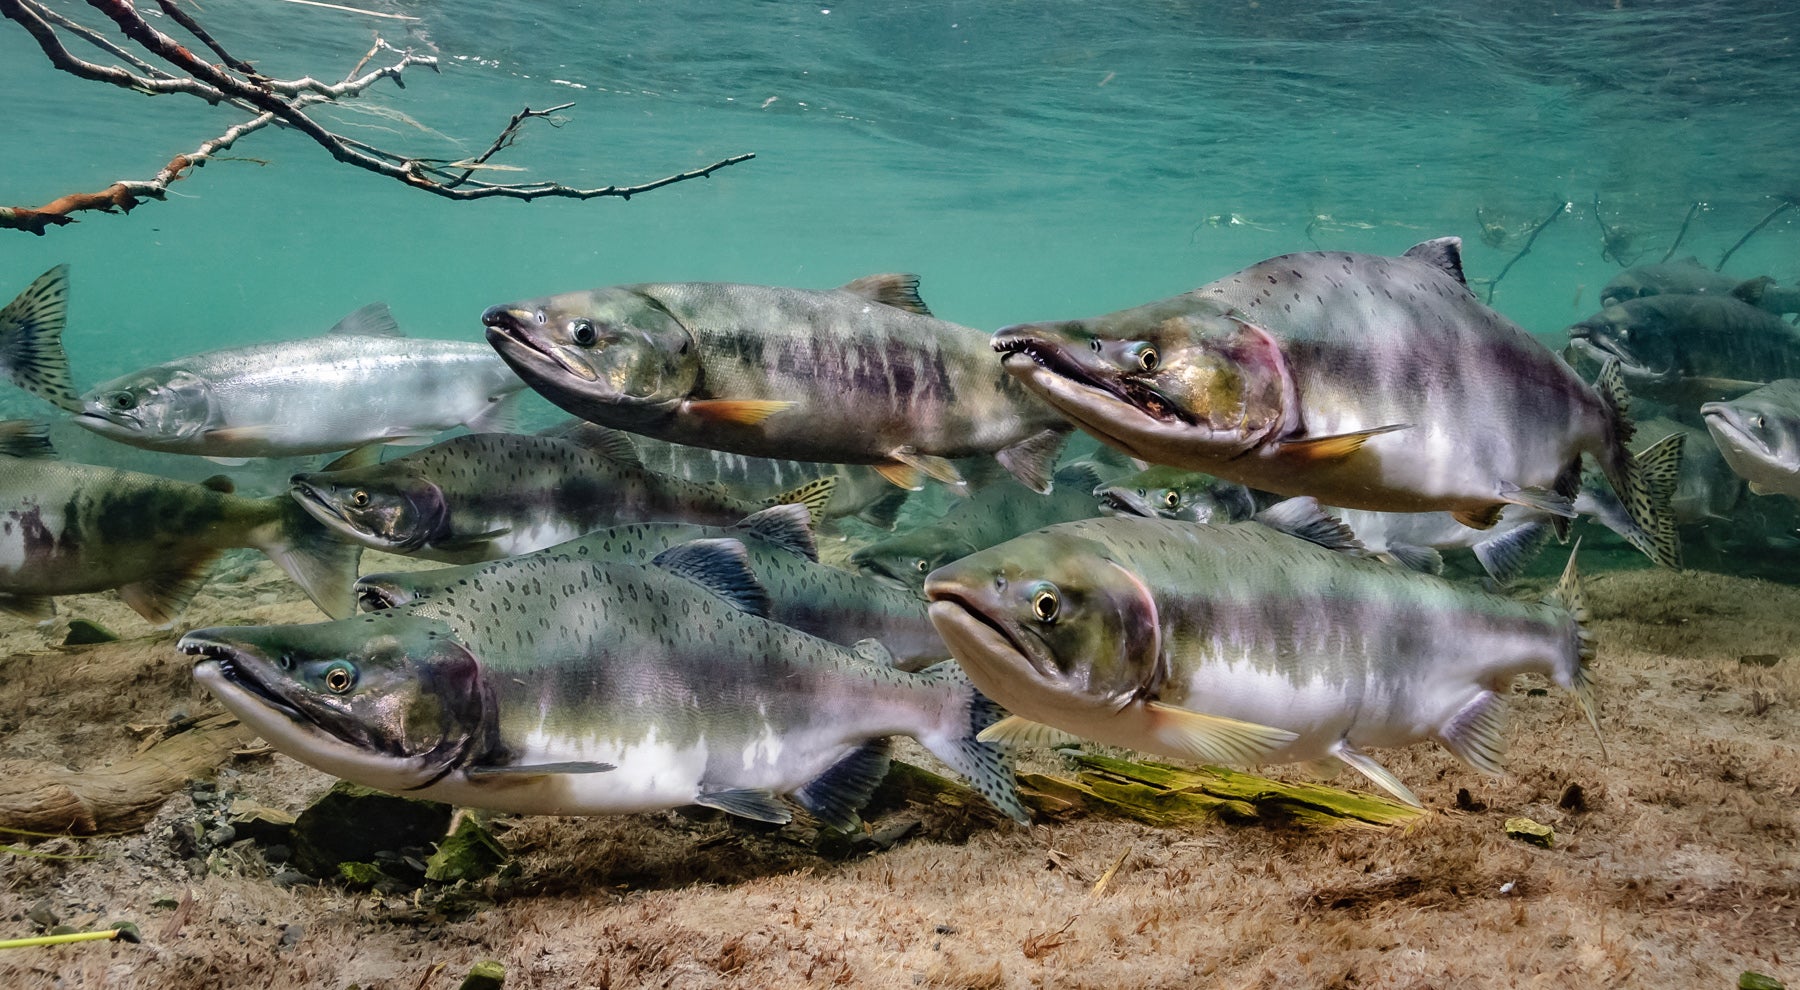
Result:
1028,160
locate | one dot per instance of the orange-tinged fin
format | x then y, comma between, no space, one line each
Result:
904,475
240,434
1334,447
1213,738
744,412
1479,518
1541,499
814,495
898,290
932,466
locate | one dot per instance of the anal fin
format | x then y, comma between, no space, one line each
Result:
1483,518
1476,733
1540,499
929,465
160,597
1033,459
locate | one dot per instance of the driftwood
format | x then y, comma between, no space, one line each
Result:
121,797
1156,794
1165,796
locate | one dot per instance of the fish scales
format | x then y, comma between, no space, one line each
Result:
827,602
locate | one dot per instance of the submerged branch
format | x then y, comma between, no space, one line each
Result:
269,102
1692,209
1787,203
1535,231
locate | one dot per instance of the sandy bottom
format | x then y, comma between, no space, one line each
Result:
1676,861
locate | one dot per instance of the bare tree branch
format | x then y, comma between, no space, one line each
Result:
269,102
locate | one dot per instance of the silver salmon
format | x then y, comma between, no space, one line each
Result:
363,382
857,375
1759,434
552,685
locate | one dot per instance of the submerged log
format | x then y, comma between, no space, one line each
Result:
124,796
1157,794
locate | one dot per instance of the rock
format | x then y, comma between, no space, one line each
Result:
1751,980
84,633
42,916
352,824
265,825
469,853
290,878
291,936
165,903
488,974
1573,799
224,835
1526,830
362,875
1760,660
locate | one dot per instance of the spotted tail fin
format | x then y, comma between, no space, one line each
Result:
1644,482
987,766
1578,678
31,350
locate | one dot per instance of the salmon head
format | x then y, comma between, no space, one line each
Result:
160,404
382,506
1159,378
1759,435
1637,334
1050,627
1172,493
390,700
614,356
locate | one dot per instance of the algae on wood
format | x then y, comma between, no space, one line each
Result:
1157,794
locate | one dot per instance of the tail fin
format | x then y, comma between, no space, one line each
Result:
1568,596
322,565
988,767
31,350
1506,556
1644,482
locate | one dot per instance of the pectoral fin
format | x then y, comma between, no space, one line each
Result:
239,434
538,769
755,803
1024,733
1213,738
1361,763
1313,449
744,412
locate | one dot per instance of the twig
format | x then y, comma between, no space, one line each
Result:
282,103
1692,209
1786,204
1613,241
1535,231
181,17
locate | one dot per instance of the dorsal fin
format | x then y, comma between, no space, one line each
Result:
900,291
607,442
26,439
1751,290
372,320
721,567
220,483
1440,252
787,526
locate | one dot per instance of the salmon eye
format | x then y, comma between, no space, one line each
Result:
1045,605
359,498
582,332
122,400
1172,499
340,677
1148,359
921,565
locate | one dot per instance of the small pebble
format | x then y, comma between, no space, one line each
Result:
291,935
41,915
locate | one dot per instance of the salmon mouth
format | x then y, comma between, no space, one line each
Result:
231,664
1056,360
952,606
1727,423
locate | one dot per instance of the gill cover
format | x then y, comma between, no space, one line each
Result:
162,403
